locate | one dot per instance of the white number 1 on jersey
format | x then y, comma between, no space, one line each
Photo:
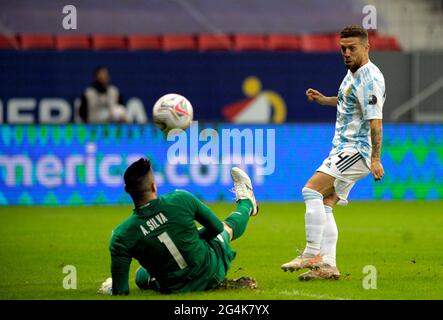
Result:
167,241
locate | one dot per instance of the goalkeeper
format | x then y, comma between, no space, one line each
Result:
161,234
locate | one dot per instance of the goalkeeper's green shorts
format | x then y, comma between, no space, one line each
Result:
224,253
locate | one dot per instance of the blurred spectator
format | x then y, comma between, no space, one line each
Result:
102,102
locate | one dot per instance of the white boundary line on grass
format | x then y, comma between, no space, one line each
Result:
311,295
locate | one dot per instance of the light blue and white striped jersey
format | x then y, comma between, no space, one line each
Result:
360,99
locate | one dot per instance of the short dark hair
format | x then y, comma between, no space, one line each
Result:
354,31
135,176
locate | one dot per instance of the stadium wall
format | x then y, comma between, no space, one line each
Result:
83,164
44,86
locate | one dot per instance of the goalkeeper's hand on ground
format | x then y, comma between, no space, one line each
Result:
106,287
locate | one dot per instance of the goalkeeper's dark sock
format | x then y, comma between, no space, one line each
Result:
238,220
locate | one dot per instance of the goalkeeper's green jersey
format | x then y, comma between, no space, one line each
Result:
163,237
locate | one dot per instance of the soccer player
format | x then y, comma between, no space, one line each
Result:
161,234
355,153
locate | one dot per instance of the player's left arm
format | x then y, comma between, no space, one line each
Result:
120,264
371,96
376,139
120,275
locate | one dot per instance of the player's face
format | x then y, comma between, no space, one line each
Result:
354,52
102,76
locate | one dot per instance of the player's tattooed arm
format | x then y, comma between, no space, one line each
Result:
376,139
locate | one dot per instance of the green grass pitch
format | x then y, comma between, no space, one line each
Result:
403,240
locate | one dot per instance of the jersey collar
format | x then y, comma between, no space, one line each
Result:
146,207
359,70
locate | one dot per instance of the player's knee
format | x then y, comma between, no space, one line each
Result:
142,278
229,230
309,185
311,194
330,200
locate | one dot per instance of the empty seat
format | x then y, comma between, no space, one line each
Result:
214,42
144,42
335,38
318,43
179,42
284,42
9,42
392,43
106,42
383,43
249,42
36,41
74,41
376,42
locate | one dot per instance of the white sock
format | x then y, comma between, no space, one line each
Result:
315,219
330,237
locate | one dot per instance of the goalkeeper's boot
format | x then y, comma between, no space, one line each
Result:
323,272
303,261
243,188
239,283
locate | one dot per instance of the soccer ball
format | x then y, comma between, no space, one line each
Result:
172,111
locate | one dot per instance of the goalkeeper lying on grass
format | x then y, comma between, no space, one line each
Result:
161,234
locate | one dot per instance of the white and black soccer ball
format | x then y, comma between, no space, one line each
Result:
172,111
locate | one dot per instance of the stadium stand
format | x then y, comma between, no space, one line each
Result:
36,41
384,43
172,42
9,42
172,17
144,42
214,42
245,42
201,42
283,42
415,24
318,43
68,42
106,41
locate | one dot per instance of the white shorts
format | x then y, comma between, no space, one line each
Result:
347,167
